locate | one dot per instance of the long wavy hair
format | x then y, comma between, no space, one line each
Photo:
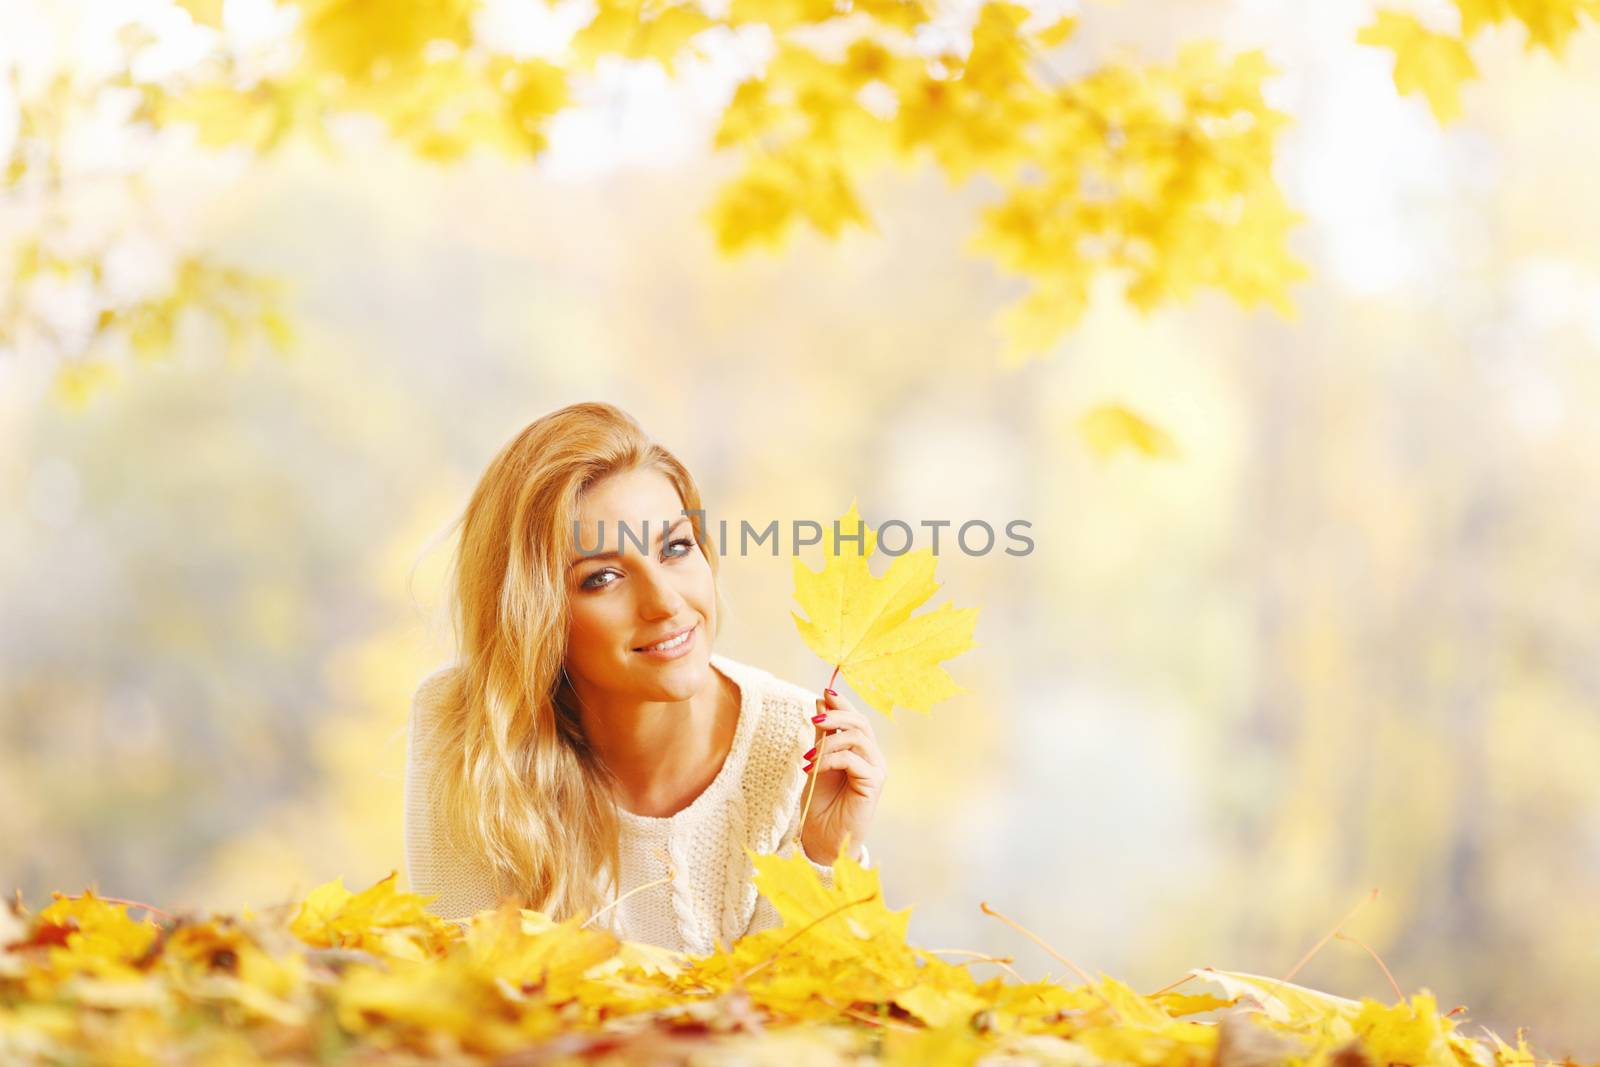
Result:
514,774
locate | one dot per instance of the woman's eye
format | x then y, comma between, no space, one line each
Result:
591,583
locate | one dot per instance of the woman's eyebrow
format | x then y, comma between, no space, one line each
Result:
614,554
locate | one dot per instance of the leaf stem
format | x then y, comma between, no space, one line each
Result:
1036,939
811,778
800,932
1342,936
1370,897
671,873
126,903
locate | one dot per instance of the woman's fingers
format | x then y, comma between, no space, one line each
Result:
840,716
850,740
849,761
834,702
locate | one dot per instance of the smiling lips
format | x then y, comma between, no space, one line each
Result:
654,647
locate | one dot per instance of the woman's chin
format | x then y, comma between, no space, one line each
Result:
682,677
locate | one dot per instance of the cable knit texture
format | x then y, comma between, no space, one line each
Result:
754,801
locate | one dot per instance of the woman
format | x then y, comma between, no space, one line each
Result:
588,750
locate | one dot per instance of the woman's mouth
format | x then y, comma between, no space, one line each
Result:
671,647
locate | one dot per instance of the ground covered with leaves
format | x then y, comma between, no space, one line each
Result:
373,977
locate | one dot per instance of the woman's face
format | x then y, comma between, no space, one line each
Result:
621,603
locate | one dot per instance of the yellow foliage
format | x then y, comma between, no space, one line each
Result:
847,923
1279,1001
1162,175
1403,1033
368,975
204,12
639,29
95,938
78,382
1435,63
1159,176
376,40
1110,428
333,917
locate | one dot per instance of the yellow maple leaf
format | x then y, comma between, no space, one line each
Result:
638,955
362,40
1476,14
1551,22
1434,64
1040,319
639,29
1177,1004
1109,428
953,1044
905,15
497,945
1504,1054
780,14
100,938
204,12
937,1006
778,190
1057,32
223,962
862,623
1404,1033
1278,1000
377,919
847,921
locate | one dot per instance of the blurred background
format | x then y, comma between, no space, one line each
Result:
1346,639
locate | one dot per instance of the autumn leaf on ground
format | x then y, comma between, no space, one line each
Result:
379,917
497,945
1278,1000
1412,1032
846,922
1110,428
862,624
87,935
836,982
1134,1022
837,943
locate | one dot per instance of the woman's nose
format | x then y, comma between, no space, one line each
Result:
658,597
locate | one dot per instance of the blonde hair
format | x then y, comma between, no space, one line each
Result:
514,774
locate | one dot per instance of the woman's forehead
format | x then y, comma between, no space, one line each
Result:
633,498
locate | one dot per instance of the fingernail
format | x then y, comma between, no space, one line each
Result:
830,692
819,718
806,768
809,753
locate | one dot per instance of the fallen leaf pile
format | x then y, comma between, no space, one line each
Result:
372,977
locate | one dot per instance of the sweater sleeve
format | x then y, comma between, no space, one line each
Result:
462,885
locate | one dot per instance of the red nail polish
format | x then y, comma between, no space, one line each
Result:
809,754
820,717
830,692
806,769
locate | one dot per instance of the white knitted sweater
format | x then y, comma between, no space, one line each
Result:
753,801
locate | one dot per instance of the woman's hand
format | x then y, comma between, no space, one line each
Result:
849,782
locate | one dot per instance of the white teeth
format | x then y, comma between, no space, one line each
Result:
674,643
